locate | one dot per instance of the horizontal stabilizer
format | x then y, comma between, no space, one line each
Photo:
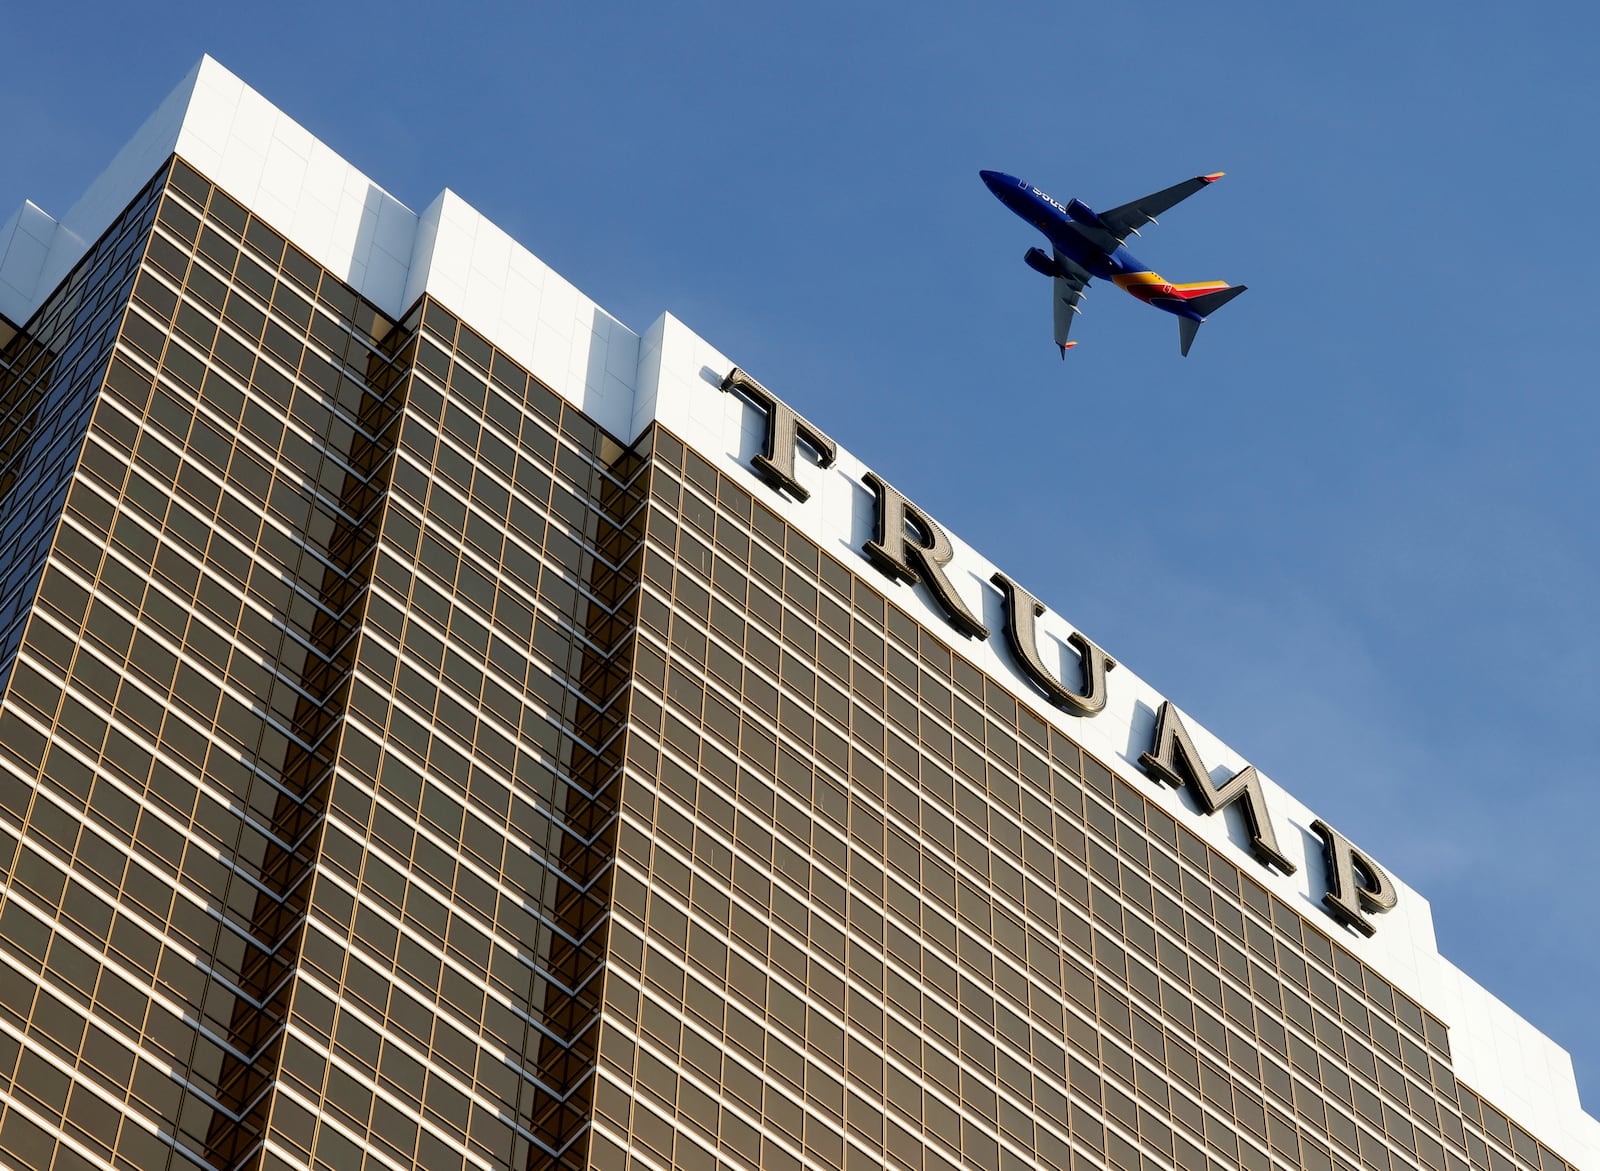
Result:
1208,303
1204,304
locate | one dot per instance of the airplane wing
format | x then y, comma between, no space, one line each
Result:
1067,290
1130,217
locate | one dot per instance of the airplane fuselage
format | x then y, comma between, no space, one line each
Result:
1104,257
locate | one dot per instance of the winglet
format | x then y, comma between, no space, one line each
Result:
1065,346
1214,176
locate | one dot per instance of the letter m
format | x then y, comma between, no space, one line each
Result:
1173,759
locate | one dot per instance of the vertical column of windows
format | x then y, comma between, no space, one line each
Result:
457,872
289,363
343,546
49,373
733,919
183,625
838,830
48,379
582,895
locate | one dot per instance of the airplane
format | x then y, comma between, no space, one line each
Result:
1087,244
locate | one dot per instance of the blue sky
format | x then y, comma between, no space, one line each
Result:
1354,533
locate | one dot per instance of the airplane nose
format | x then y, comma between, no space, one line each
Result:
998,182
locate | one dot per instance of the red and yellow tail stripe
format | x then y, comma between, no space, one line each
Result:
1148,285
1199,288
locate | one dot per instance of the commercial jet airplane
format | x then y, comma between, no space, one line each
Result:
1087,244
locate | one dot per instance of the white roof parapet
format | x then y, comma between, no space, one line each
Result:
25,244
352,227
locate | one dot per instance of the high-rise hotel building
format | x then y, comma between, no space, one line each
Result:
442,728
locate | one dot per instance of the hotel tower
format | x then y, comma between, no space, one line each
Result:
441,727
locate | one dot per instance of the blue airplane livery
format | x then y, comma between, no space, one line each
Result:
1087,244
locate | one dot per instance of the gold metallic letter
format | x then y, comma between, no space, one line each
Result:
1357,886
1173,759
1022,610
776,460
893,552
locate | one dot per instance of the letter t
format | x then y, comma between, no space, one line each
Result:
775,462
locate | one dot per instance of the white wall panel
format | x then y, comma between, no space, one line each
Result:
25,243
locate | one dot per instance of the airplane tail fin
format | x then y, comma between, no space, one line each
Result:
1186,332
1205,299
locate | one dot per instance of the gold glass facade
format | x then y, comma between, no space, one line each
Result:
870,911
308,746
396,771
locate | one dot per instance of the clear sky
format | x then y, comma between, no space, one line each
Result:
1354,533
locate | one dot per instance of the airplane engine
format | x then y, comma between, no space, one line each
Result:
1041,262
